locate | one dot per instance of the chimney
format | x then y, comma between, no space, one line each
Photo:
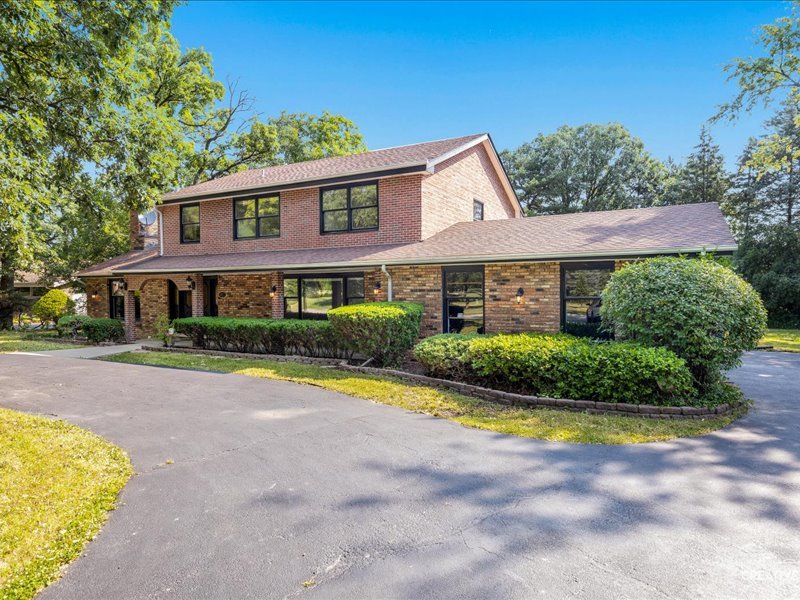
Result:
135,232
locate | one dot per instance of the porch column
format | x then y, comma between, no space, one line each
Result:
130,315
197,296
277,295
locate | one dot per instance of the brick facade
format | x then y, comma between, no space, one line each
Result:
245,295
153,301
422,284
540,307
96,297
448,194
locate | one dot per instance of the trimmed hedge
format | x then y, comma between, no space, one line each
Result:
103,330
561,366
384,331
70,325
270,336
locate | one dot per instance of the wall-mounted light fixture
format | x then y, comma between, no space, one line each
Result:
190,283
520,294
273,291
94,296
377,288
124,286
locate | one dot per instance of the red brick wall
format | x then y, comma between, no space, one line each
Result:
399,221
422,284
154,301
244,295
540,309
447,195
96,297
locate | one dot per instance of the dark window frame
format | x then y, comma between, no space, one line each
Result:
577,266
345,297
349,208
257,218
459,269
118,311
182,224
475,204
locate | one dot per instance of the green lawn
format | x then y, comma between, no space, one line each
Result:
57,483
546,424
787,340
16,341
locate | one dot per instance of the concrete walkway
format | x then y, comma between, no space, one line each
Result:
252,488
86,351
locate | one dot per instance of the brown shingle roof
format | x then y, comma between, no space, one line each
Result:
105,268
635,232
376,160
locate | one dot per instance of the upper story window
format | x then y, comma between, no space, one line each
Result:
477,210
190,223
257,217
349,208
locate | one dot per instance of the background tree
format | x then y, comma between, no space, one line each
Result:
584,168
703,177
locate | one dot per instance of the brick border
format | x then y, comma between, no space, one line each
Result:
588,406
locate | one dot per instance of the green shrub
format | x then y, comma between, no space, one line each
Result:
70,325
699,309
383,331
162,326
52,306
443,355
270,336
561,366
103,330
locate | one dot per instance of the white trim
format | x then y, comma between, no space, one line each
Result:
160,231
446,260
447,155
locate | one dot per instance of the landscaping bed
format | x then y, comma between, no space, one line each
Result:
57,483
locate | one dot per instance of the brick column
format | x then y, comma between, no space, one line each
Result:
277,297
130,316
197,296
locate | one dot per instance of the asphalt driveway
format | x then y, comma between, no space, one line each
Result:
275,485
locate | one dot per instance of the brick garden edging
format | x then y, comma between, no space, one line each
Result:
589,406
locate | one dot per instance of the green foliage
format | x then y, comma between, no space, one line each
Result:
53,305
590,167
270,336
699,309
71,325
702,178
162,326
561,366
103,330
770,261
383,331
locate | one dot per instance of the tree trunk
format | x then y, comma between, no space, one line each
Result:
6,288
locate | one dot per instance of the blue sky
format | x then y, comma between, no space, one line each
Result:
409,72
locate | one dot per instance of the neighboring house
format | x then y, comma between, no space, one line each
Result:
436,223
34,288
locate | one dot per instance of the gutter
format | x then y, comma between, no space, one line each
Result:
389,277
443,260
160,230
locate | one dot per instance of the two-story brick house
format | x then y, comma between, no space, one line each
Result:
436,223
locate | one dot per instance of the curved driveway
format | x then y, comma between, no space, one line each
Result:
276,484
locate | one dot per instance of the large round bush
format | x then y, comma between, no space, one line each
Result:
699,309
52,306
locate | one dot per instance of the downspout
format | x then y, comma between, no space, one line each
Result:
389,278
160,231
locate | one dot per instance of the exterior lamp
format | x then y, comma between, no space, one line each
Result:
190,283
377,288
520,294
124,286
272,291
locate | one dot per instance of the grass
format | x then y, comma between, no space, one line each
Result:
18,341
787,340
540,423
57,483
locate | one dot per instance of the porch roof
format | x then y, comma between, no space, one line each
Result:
581,236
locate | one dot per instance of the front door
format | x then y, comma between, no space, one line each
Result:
180,302
210,301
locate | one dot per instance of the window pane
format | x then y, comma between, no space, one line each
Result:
269,226
290,287
465,277
477,211
355,288
585,282
190,214
245,209
468,326
268,206
321,295
364,195
334,221
191,233
291,308
582,311
466,290
332,199
365,218
246,228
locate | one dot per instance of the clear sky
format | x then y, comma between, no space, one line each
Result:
410,72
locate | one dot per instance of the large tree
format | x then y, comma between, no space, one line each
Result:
702,178
584,168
